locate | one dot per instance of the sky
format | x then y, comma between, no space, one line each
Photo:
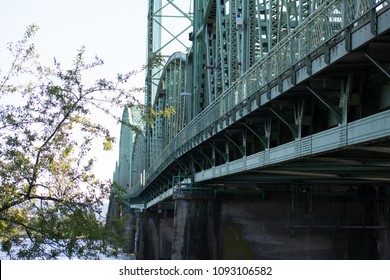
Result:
113,30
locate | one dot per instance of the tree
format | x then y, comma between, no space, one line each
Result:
48,192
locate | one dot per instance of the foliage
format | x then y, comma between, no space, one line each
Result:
48,192
154,114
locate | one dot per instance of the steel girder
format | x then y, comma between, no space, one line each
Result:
169,23
284,35
231,35
171,96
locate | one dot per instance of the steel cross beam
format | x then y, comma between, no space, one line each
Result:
377,64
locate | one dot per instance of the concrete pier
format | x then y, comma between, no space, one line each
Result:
153,235
192,228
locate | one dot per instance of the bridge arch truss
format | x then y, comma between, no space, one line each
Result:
271,92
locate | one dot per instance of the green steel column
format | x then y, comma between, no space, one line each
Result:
234,41
198,91
223,44
211,63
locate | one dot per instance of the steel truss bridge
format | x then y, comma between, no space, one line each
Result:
265,93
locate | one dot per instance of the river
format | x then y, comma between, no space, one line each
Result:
3,256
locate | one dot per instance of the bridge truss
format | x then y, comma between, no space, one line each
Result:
269,92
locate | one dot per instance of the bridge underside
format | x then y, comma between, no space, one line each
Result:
350,166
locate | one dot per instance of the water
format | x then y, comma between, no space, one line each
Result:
123,256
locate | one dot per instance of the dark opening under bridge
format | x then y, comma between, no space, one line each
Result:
279,145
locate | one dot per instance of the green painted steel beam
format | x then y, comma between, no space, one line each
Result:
232,63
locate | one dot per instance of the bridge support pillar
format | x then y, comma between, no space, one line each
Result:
384,245
194,231
147,236
383,238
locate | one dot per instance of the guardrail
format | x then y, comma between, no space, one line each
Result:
328,21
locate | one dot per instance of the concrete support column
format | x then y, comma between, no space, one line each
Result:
165,234
383,239
147,236
383,244
130,230
193,230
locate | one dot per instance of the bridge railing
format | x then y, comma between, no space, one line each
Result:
328,21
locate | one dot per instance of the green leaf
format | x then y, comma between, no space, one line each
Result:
108,144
